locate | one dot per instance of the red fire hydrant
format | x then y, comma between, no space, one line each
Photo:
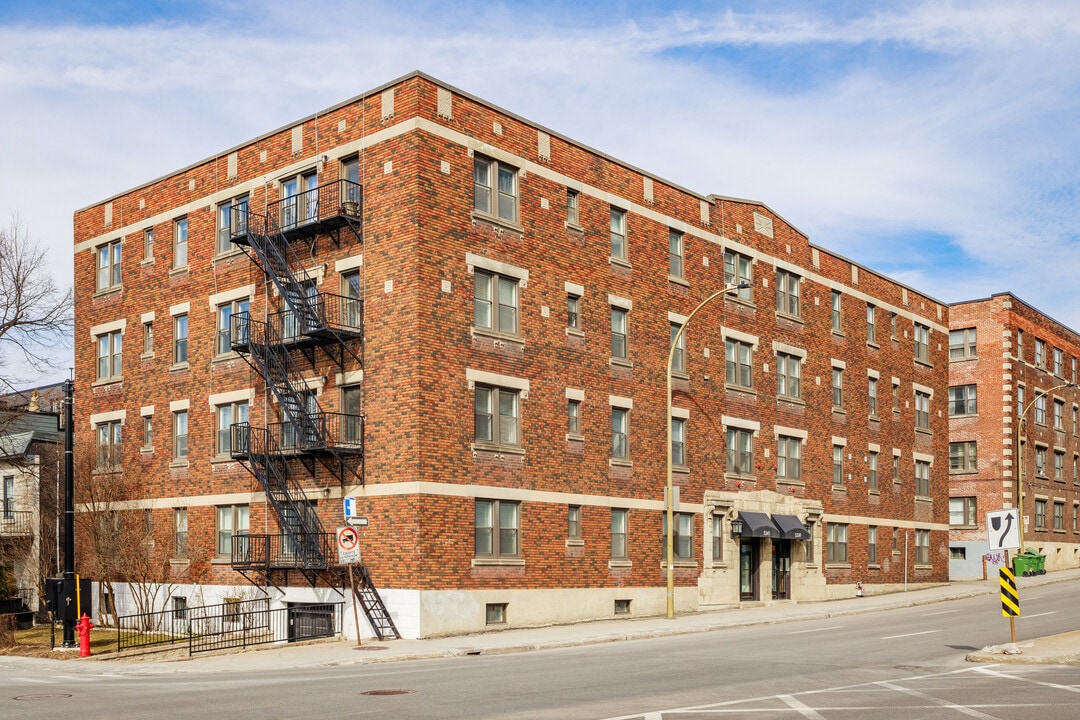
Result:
83,628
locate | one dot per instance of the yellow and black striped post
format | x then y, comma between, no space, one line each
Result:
1010,599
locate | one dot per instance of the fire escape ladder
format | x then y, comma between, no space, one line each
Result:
374,608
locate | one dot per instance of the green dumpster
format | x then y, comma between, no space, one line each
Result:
1022,564
1038,562
1029,562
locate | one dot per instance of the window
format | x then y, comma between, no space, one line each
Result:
496,531
619,519
678,441
922,478
232,521
1059,516
620,433
1075,419
573,417
787,293
618,234
738,363
180,339
871,323
1059,465
232,222
788,458
893,329
180,246
962,511
836,547
573,311
1020,408
1059,414
495,190
148,338
495,302
962,344
572,216
495,613
838,465
180,434
1075,518
962,457
1040,353
838,388
1076,470
1020,344
871,545
675,254
922,343
180,536
922,410
1040,461
718,536
962,400
227,415
836,308
109,356
896,469
496,415
739,269
896,541
922,547
683,537
180,608
871,397
148,244
896,396
352,422
1040,409
108,447
619,323
299,200
871,471
788,375
573,522
108,266
1040,514
740,451
225,335
1059,363
678,355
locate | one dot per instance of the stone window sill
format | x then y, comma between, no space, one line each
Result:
498,562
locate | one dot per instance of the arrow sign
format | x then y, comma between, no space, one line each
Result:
1003,529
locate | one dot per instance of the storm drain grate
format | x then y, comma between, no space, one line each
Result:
387,692
46,696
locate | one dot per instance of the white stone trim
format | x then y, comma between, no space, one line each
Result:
676,318
501,268
923,457
727,332
350,263
839,441
575,394
349,377
227,398
620,302
574,288
109,327
147,317
146,410
779,347
489,378
727,420
180,309
110,416
678,412
800,433
226,296
621,402
838,364
176,405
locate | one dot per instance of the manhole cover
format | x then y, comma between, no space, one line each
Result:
387,692
47,696
369,647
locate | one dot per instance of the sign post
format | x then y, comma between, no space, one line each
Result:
1003,533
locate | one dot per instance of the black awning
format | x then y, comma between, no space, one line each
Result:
790,527
758,525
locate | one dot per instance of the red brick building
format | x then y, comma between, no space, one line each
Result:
461,319
1011,363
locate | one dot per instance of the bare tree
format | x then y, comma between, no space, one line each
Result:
35,314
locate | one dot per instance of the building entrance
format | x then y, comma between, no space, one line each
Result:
781,569
748,566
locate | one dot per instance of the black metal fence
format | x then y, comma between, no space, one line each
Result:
232,624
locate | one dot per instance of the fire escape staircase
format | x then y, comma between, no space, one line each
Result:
370,600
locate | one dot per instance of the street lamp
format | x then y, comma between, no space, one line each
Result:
1018,454
669,499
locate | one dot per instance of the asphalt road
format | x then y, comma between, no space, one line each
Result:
904,663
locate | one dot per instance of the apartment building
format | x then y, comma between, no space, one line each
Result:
460,321
1012,384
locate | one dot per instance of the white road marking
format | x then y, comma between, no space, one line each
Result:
939,703
1057,686
805,710
924,632
943,612
1052,612
801,632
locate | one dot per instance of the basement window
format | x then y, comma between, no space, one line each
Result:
495,613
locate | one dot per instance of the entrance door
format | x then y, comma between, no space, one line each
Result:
748,562
310,621
781,570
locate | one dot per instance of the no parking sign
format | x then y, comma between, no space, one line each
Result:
348,545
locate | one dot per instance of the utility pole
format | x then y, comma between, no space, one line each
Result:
69,510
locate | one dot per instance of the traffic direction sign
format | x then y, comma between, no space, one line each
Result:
1003,529
357,521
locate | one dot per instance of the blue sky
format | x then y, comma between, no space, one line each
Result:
936,141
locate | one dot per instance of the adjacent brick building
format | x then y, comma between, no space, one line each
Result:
1010,364
462,319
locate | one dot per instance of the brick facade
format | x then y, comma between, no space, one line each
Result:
422,252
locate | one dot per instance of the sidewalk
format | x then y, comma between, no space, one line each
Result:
1064,649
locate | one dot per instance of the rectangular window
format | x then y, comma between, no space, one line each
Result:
1040,514
1059,414
148,244
572,215
227,416
838,388
922,478
148,432
1040,409
787,293
232,222
180,339
678,441
495,189
352,431
871,323
838,465
836,543
180,243
1040,353
110,356
618,234
180,536
108,266
1059,516
739,363
962,400
573,417
675,254
718,536
962,457
740,451
496,415
837,306
573,522
1075,420
896,396
232,521
495,302
620,433
678,355
619,327
226,333
496,530
922,343
148,338
682,538
922,410
573,311
871,545
896,469
1020,344
871,398
1040,461
108,447
872,471
1059,465
963,511
893,327
1059,363
619,521
788,458
739,269
788,376
962,344
180,434
922,547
